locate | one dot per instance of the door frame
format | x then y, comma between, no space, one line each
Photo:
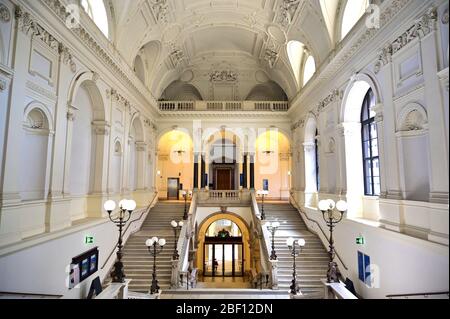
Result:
234,273
178,187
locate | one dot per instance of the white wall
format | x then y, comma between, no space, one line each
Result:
406,264
43,268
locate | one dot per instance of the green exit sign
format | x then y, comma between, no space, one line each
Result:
360,240
89,240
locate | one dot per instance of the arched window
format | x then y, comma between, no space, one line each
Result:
97,11
316,150
371,160
309,70
295,53
354,10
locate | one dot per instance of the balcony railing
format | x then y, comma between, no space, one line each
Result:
223,106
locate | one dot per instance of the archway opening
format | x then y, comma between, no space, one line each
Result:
222,160
273,164
175,164
223,247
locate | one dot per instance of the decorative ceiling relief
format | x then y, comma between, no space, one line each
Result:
223,76
160,9
288,8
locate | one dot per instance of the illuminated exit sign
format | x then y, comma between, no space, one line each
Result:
360,240
89,240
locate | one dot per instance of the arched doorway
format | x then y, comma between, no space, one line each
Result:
175,164
223,250
273,164
223,246
222,160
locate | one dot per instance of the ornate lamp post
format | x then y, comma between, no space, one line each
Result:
327,207
155,246
185,196
292,244
176,227
126,207
262,194
273,227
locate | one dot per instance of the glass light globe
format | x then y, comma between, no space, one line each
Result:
324,205
184,193
155,239
109,205
162,242
332,204
173,223
181,224
275,224
149,243
290,241
301,242
131,205
342,206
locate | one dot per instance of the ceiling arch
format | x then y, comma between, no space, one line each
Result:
241,37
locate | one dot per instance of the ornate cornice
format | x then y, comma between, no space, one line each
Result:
421,28
5,15
113,94
298,124
29,25
335,94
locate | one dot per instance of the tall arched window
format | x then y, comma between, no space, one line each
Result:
97,11
354,10
295,53
309,70
371,160
316,150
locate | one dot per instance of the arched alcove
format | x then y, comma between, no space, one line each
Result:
88,132
180,91
311,150
269,91
412,135
36,144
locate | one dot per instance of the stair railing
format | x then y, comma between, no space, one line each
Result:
327,238
268,268
421,294
186,234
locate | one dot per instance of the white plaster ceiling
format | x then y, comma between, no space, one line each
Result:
187,40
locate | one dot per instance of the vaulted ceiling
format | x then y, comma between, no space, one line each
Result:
193,40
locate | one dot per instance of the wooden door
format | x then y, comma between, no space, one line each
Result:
223,179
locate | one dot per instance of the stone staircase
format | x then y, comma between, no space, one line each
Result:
312,264
138,263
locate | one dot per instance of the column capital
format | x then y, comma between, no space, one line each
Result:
71,112
101,127
378,109
349,128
